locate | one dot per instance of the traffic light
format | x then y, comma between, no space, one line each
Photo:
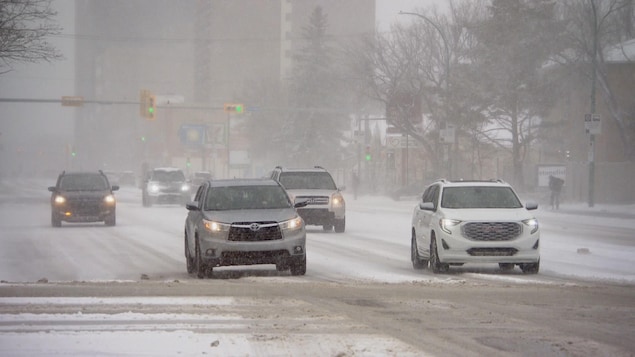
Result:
151,107
368,155
188,163
233,108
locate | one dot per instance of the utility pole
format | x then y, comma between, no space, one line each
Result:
593,84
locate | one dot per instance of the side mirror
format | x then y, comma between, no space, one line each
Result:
192,206
426,206
52,188
531,205
115,187
301,203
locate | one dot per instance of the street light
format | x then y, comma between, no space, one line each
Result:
447,72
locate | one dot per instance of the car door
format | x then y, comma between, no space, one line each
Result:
194,216
423,219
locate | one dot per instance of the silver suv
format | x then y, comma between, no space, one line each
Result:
459,222
326,206
165,185
243,222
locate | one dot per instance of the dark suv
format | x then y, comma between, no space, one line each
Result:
83,197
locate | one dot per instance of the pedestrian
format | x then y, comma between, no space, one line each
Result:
555,185
355,184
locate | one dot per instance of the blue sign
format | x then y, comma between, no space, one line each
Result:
192,134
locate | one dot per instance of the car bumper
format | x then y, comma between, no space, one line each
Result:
524,249
169,197
84,214
221,252
320,215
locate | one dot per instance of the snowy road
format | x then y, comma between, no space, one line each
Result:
113,279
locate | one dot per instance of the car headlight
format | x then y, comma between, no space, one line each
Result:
185,187
109,199
215,227
446,224
338,200
532,223
292,224
59,200
153,188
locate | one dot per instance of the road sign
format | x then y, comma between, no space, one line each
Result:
592,124
72,101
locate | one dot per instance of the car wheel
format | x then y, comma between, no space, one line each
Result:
200,268
327,227
340,225
530,268
435,264
298,268
506,266
55,220
189,261
111,220
417,262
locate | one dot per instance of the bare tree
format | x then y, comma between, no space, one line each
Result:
596,28
24,28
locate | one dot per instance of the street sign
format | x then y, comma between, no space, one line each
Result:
72,101
592,124
400,142
192,134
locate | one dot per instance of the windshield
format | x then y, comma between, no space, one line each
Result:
307,180
83,183
168,176
246,197
479,197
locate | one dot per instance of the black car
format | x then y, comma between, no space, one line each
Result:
83,197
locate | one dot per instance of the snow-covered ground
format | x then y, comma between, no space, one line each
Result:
578,243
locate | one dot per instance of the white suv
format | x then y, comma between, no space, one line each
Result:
326,206
459,222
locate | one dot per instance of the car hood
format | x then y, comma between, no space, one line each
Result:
488,214
302,192
84,194
251,215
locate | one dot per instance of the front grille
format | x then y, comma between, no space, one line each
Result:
492,231
492,252
315,200
254,231
85,206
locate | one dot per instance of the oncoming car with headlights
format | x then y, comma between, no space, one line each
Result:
326,206
459,222
83,197
165,185
243,222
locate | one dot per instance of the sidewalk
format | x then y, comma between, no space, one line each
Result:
598,210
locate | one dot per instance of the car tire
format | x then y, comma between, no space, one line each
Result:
530,268
189,260
506,266
327,227
55,220
417,262
435,264
340,225
201,269
298,268
111,220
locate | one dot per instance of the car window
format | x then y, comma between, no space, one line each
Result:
307,180
479,197
83,183
246,197
168,176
